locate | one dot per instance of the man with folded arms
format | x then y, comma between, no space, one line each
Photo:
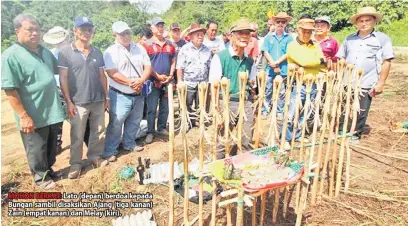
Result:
128,67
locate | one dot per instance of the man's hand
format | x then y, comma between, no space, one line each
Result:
162,78
168,79
215,51
273,64
136,83
71,110
379,88
26,123
107,105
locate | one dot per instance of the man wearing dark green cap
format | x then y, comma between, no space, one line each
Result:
228,63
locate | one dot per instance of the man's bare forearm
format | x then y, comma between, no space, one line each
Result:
15,101
385,71
64,84
104,81
179,75
147,71
118,77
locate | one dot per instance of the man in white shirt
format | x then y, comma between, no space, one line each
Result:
128,67
214,43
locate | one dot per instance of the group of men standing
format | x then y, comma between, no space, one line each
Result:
139,73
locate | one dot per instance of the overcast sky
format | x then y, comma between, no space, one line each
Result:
158,6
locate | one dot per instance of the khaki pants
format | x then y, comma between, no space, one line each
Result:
96,114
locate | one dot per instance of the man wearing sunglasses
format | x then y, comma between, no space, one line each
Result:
228,63
274,48
84,86
128,67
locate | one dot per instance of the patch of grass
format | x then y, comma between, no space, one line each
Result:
116,186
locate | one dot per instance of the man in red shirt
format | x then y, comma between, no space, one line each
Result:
328,44
252,48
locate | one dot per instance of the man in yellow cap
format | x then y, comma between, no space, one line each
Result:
371,51
304,53
227,63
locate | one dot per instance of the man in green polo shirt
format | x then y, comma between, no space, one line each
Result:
228,63
28,80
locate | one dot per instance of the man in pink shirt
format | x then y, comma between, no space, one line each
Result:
328,44
252,48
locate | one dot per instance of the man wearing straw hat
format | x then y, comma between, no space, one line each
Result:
193,63
58,37
304,53
371,51
228,63
274,47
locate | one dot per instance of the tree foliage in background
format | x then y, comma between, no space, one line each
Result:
104,13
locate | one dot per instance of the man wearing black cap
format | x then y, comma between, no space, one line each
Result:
84,86
176,36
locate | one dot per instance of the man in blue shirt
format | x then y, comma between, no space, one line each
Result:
371,51
274,48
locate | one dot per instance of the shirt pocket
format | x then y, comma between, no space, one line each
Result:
373,50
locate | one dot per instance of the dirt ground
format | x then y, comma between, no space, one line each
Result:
379,184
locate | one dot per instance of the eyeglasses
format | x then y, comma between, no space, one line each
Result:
281,21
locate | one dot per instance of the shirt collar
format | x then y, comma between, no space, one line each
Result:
283,34
372,33
193,46
233,53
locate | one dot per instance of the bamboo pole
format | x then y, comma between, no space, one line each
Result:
225,86
298,101
202,90
277,82
299,83
215,86
243,78
289,82
341,69
263,208
302,202
240,208
171,155
261,98
182,88
275,205
356,107
323,130
350,68
326,111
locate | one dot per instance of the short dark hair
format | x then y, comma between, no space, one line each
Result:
211,22
18,20
146,33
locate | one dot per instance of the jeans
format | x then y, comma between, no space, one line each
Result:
125,112
157,97
269,92
41,148
291,113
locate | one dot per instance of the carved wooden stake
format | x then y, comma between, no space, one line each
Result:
215,86
302,202
341,69
225,86
182,88
319,82
202,90
171,155
355,108
243,78
350,68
